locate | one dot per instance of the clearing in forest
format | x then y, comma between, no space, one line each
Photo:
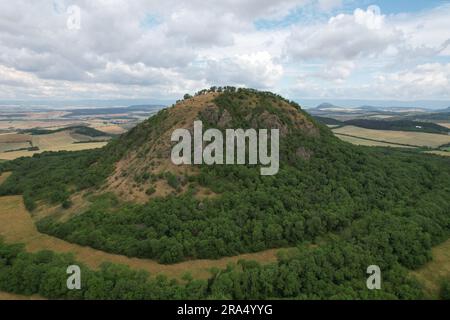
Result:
432,273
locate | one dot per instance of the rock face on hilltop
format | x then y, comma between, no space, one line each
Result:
145,170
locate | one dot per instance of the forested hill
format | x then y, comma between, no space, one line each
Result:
144,153
361,205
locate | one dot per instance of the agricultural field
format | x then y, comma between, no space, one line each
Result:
73,147
109,128
22,124
13,141
444,124
407,138
20,136
17,145
370,143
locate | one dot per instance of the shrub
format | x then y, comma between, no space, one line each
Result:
445,290
150,191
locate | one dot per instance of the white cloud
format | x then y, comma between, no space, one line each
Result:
256,70
343,37
150,48
338,71
427,30
431,80
424,82
328,5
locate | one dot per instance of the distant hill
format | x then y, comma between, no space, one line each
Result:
329,121
326,105
87,131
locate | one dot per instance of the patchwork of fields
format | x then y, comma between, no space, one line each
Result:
370,143
15,145
407,138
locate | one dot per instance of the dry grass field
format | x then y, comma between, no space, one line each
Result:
73,147
109,128
11,146
419,139
12,296
58,141
14,141
444,124
30,124
370,143
14,138
432,273
4,176
16,226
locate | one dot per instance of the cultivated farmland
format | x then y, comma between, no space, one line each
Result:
418,139
370,143
13,146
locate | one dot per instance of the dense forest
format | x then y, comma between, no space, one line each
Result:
362,206
54,176
332,272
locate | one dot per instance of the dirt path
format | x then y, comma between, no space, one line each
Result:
16,225
12,296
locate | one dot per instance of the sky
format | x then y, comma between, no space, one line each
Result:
302,49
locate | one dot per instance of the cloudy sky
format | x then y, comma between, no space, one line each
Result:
124,49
